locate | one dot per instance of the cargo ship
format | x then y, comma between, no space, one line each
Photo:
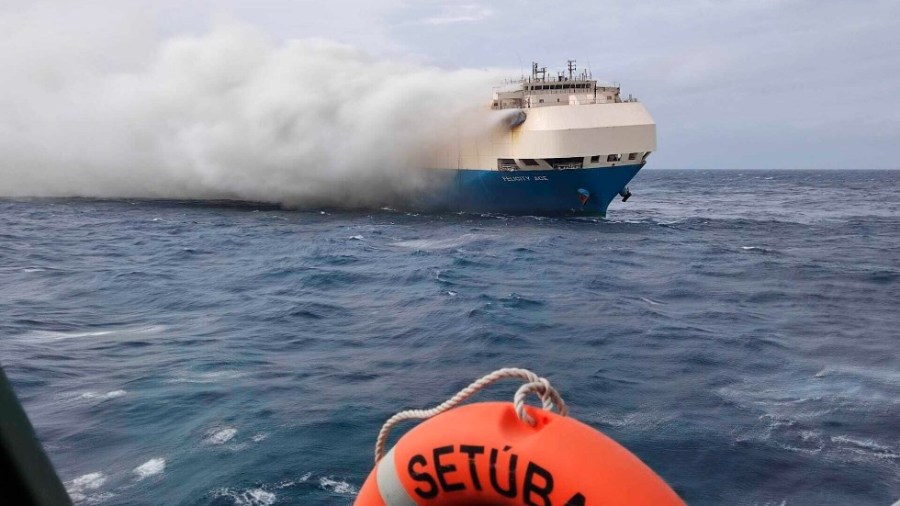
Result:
566,144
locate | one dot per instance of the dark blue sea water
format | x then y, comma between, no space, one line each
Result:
738,331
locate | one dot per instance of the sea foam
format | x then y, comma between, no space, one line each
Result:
150,468
221,435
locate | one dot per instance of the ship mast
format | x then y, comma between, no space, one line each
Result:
535,70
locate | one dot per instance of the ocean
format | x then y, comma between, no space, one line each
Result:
738,331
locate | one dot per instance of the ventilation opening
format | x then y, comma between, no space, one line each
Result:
632,156
566,163
506,164
595,159
613,158
531,162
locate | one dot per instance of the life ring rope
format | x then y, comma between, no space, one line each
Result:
550,398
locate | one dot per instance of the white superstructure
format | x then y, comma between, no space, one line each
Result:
570,122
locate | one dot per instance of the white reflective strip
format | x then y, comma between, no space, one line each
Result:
392,491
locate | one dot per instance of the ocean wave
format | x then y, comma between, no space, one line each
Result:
337,486
867,447
150,468
48,335
439,244
638,421
54,335
220,435
779,367
103,396
247,497
85,488
208,377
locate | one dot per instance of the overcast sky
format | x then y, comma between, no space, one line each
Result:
732,84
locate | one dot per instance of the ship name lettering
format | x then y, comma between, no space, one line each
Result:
516,179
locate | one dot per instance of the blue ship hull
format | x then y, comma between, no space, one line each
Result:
538,192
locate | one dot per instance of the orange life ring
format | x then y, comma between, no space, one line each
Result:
484,454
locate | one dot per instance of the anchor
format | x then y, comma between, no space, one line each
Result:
583,196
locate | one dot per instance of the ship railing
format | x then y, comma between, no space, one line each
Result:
525,104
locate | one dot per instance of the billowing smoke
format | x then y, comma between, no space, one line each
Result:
229,114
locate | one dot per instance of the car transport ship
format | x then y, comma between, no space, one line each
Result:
569,145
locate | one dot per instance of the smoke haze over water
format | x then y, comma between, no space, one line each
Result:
229,114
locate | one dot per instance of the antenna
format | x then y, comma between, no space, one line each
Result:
571,66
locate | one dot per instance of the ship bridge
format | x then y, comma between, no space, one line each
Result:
566,88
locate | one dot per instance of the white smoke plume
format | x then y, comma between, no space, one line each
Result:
229,114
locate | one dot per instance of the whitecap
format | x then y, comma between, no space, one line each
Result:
221,435
867,447
436,244
652,302
259,437
97,498
51,335
80,488
256,496
337,487
149,468
810,451
90,481
290,483
58,336
355,238
207,377
249,497
102,397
